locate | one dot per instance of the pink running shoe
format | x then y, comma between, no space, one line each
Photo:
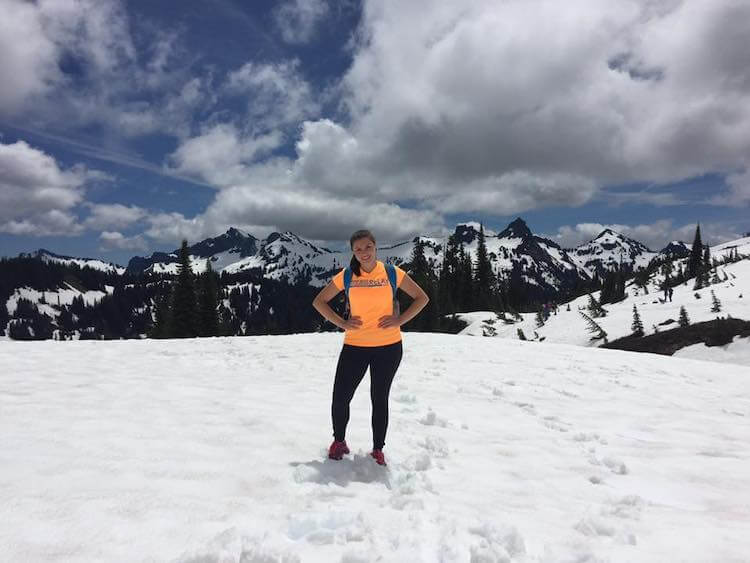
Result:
338,449
378,456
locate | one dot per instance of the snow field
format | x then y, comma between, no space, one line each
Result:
569,327
498,450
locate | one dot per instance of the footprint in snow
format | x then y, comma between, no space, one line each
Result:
432,419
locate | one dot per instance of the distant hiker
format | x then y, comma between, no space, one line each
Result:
671,291
373,336
666,292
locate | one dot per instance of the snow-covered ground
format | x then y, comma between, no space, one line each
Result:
499,450
569,327
736,352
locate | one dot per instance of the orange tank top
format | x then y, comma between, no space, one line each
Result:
371,297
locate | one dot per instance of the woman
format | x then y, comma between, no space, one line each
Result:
373,338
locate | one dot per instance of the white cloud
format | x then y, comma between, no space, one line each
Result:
173,227
261,209
298,19
28,58
499,107
114,240
517,191
113,215
739,190
221,155
277,94
75,63
54,222
36,194
317,215
457,103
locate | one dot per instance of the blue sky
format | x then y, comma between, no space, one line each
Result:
128,126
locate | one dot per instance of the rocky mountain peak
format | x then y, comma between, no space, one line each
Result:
516,229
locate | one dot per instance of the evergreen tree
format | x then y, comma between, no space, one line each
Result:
595,307
423,276
209,302
451,268
184,305
465,281
162,317
706,267
445,294
594,328
432,310
484,278
637,326
696,254
684,320
715,303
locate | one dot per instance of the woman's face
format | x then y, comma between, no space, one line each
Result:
365,251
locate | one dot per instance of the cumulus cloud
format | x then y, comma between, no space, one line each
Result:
462,109
262,209
298,20
499,107
318,215
465,106
54,222
37,196
655,235
173,227
113,215
278,94
738,192
222,154
28,58
114,240
77,63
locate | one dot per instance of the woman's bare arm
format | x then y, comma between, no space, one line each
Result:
321,305
420,300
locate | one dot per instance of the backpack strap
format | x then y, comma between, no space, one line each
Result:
391,270
347,285
347,280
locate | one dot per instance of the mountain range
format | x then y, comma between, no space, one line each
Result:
270,282
286,255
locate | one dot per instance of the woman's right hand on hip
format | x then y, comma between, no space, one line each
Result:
351,323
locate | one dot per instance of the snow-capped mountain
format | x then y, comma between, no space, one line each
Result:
278,255
724,249
673,251
47,256
533,269
567,326
515,251
538,261
221,250
608,250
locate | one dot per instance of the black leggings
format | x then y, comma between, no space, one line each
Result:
353,362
